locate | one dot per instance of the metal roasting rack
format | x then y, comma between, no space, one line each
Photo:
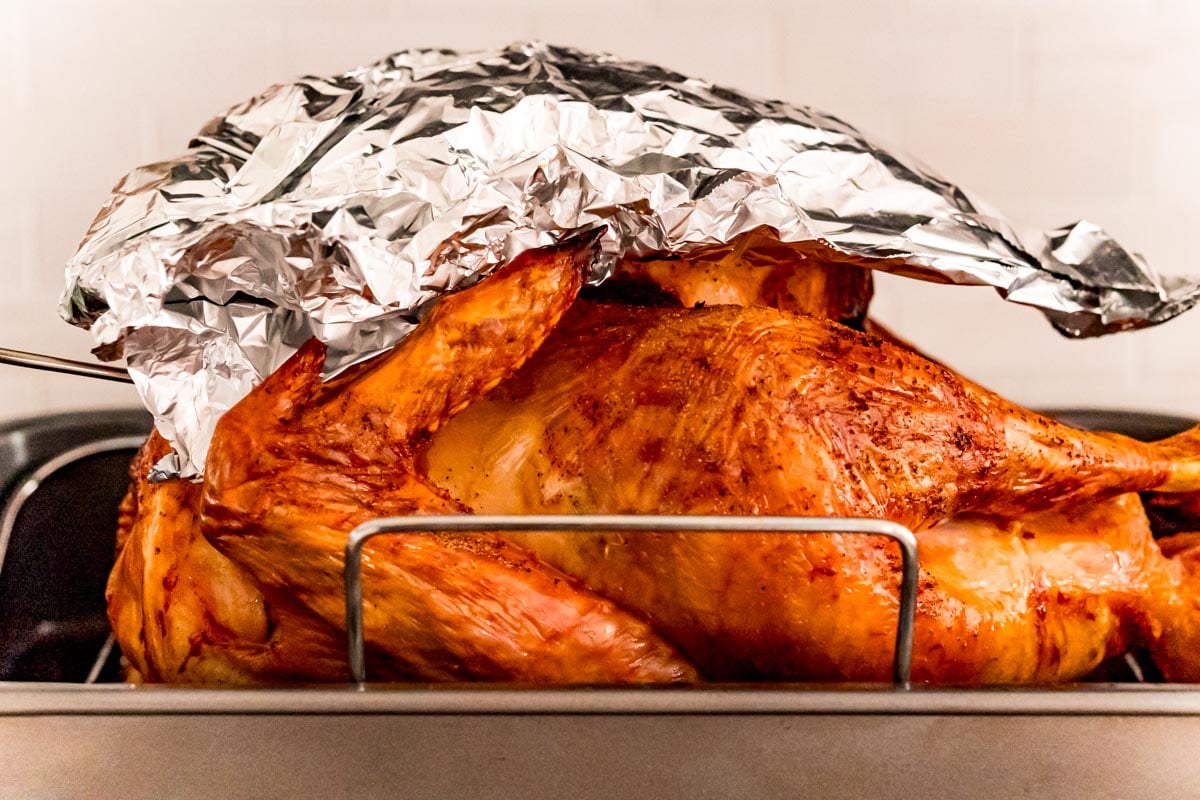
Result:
901,657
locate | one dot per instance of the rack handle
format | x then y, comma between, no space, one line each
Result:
901,658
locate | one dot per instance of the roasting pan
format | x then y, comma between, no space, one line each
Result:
68,729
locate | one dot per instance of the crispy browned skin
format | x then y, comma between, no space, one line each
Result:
1176,617
184,613
1040,600
756,269
297,465
1045,599
755,411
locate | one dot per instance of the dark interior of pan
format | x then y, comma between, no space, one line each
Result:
62,478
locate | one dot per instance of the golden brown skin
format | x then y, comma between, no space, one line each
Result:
1045,598
752,411
297,465
1042,600
756,269
1176,647
755,411
184,613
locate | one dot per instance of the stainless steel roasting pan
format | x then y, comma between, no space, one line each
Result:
61,736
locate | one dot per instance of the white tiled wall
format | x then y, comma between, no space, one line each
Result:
1051,109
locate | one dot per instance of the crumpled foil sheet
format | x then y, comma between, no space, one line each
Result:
340,207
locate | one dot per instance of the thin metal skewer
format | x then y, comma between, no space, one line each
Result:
20,358
901,658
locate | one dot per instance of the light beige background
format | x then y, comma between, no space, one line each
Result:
1052,110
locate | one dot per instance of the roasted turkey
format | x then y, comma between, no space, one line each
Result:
514,397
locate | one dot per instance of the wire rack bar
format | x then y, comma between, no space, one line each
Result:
902,656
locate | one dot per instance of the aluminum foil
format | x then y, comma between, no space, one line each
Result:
341,207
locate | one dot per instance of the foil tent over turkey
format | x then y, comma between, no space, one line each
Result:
342,207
